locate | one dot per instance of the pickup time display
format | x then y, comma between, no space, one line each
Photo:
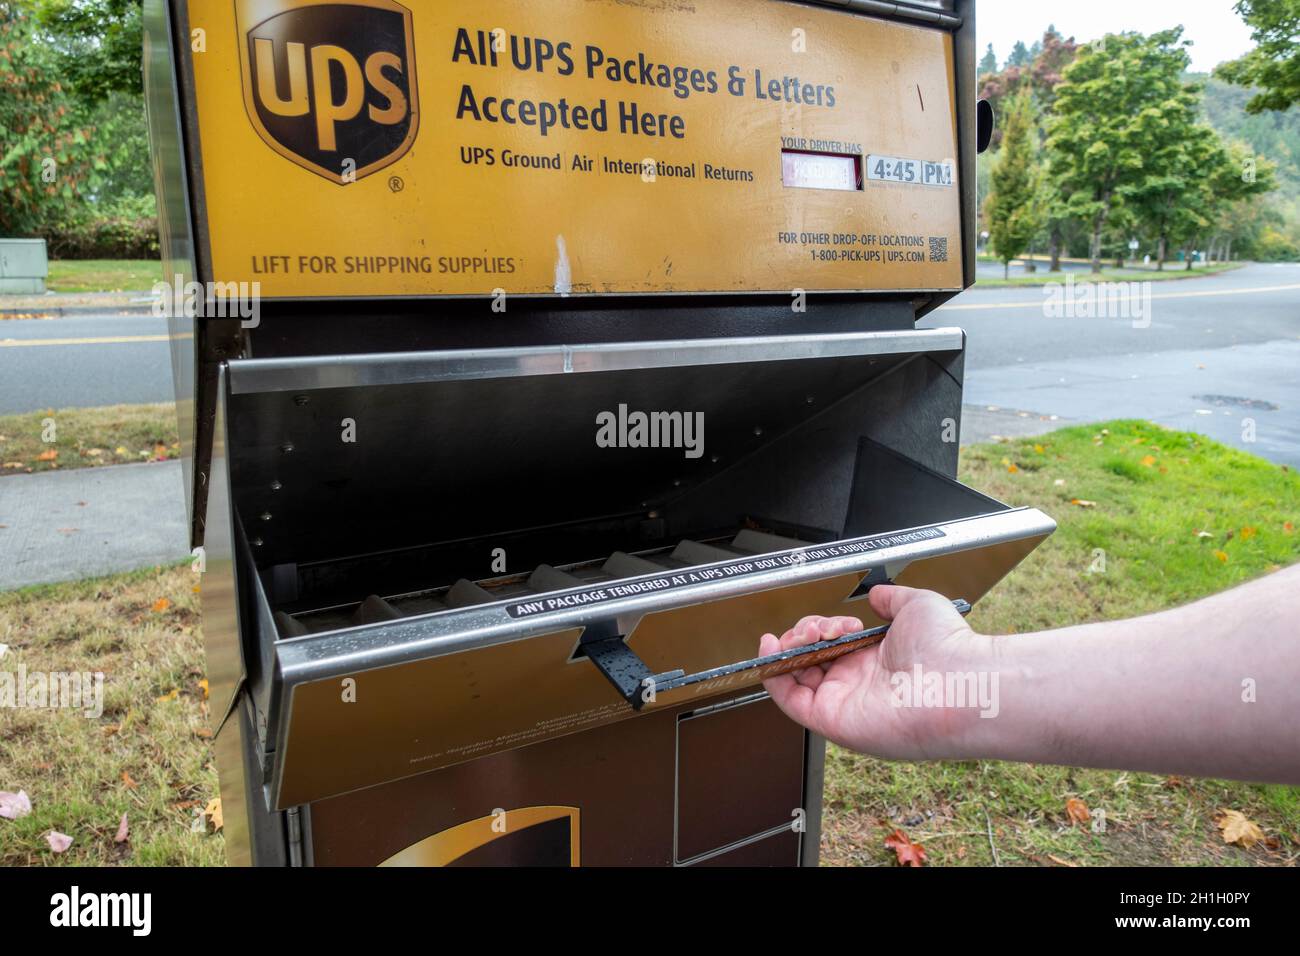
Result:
893,169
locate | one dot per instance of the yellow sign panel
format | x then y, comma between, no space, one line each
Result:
373,148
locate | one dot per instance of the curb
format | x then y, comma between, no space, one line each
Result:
74,310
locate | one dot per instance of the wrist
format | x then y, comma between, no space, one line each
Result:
992,664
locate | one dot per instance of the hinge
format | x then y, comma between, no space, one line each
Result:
294,821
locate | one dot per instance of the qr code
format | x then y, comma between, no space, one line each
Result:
938,248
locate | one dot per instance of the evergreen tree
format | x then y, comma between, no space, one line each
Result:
1015,203
988,63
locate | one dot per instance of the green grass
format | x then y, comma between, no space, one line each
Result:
1131,274
87,437
103,275
1178,517
1155,492
148,755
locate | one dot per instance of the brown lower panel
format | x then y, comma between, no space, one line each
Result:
779,850
611,787
725,790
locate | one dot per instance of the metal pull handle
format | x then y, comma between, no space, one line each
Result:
638,685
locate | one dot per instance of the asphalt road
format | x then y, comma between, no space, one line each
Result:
1206,354
1219,355
83,361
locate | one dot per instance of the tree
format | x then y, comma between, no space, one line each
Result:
1116,98
1014,205
1043,75
1274,64
1173,203
44,166
1019,55
988,63
96,45
1237,177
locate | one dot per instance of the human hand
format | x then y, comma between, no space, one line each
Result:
853,700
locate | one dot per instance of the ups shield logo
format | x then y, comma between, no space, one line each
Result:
330,86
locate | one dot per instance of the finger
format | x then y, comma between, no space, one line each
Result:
888,600
810,677
768,644
807,631
795,700
834,627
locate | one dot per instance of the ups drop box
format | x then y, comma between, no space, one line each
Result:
535,358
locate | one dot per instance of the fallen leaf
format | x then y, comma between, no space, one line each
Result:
1077,810
170,695
1059,862
961,852
1222,556
1059,482
1040,449
213,813
187,804
1287,527
203,733
50,454
127,779
1247,533
1238,830
204,684
161,605
1083,502
1148,461
1204,534
59,842
120,450
123,831
908,853
14,805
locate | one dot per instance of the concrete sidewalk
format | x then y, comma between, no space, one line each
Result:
67,525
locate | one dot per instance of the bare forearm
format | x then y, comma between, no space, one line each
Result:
1210,689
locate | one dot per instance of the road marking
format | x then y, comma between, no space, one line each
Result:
1155,295
99,340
